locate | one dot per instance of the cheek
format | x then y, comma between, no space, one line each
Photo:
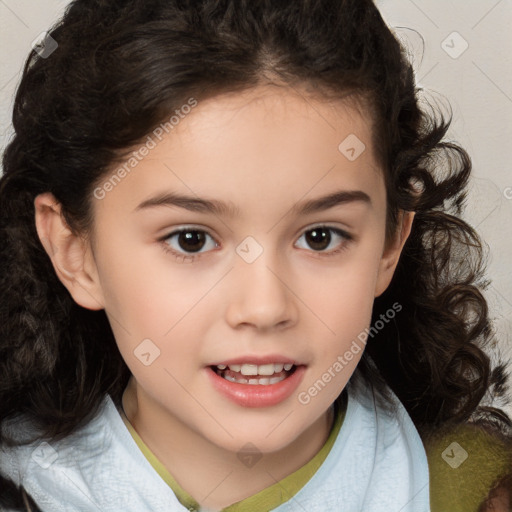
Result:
142,286
154,308
344,296
347,314
344,305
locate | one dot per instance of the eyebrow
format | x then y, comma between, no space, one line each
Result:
228,209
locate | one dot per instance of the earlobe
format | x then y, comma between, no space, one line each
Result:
70,254
391,254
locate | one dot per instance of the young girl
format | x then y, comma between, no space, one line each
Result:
234,276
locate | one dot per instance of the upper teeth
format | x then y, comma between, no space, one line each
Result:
254,369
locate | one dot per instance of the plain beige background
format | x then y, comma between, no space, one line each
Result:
462,50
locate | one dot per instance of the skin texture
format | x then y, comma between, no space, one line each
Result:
263,151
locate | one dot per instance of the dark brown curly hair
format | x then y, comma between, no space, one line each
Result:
120,68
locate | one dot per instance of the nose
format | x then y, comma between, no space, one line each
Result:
260,295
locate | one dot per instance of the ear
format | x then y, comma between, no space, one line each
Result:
392,252
70,254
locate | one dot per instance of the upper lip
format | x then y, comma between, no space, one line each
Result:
257,360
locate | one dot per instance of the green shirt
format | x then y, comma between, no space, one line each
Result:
465,462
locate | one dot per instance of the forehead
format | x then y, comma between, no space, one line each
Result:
252,112
269,143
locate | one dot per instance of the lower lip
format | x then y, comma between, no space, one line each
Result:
257,395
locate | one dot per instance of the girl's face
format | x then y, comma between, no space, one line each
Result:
282,209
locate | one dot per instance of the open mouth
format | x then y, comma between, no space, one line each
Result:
253,374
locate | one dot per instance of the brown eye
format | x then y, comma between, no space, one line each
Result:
191,241
318,238
325,239
188,241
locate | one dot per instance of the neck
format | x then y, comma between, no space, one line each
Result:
210,474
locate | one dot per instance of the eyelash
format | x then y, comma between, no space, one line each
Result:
190,257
